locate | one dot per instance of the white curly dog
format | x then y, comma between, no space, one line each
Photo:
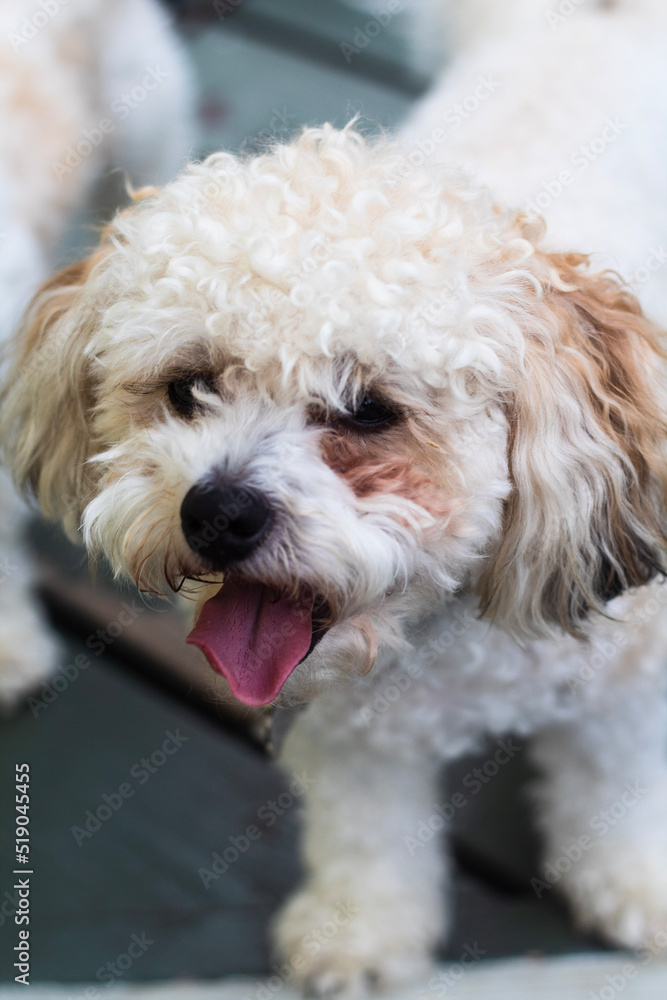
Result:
424,442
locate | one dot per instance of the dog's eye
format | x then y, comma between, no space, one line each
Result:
372,413
182,393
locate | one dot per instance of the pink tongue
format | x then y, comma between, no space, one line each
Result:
251,638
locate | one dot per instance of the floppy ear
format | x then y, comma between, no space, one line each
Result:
48,396
587,456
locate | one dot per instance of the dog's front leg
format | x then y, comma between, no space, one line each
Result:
604,802
371,909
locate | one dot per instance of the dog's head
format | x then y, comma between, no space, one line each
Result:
351,388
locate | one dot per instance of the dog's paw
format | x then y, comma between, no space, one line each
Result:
621,896
343,948
335,980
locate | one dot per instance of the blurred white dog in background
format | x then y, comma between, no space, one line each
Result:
85,85
424,443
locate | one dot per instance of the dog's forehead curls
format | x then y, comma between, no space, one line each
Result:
299,255
353,386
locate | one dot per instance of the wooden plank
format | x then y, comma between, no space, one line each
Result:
316,32
139,871
261,92
581,978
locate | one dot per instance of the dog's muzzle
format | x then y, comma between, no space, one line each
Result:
251,633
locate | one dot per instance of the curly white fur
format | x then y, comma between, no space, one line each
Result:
518,495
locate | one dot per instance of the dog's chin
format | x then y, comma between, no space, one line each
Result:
256,636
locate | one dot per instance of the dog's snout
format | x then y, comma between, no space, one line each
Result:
224,523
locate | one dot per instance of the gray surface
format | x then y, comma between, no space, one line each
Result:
263,91
365,39
139,872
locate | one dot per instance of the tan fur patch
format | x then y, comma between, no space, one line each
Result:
395,462
49,396
591,384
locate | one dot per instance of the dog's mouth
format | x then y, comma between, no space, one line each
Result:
256,639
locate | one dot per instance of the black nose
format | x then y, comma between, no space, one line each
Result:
223,523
